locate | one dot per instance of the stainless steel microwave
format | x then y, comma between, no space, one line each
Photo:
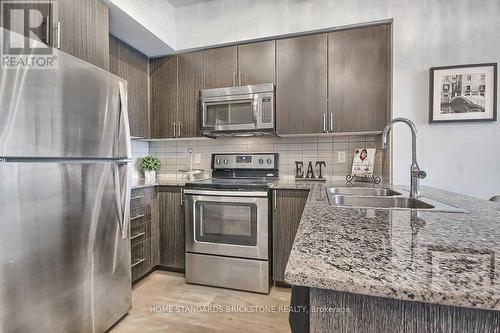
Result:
240,110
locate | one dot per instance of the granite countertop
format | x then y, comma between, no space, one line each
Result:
433,257
160,181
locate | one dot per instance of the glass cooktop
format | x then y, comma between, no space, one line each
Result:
232,183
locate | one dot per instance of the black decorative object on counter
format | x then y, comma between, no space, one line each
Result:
372,179
309,175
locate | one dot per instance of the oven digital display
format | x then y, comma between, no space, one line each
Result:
243,159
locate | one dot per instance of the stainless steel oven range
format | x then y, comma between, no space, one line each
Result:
228,221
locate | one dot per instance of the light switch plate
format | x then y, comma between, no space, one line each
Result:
341,157
197,158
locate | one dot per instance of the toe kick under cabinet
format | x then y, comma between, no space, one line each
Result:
143,223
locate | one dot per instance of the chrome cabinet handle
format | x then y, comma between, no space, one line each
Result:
234,79
47,30
275,201
324,123
175,129
137,262
180,130
59,35
182,196
331,121
137,217
138,235
239,78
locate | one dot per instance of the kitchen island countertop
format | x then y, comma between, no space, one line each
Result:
433,257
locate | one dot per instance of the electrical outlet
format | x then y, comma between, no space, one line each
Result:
341,157
197,158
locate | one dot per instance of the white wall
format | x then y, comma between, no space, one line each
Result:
463,158
146,25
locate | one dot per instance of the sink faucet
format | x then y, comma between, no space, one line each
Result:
415,173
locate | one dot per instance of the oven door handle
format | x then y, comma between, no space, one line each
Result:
260,194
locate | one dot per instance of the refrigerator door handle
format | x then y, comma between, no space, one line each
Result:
126,212
123,207
118,197
124,139
124,132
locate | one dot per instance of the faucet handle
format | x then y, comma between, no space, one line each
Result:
421,174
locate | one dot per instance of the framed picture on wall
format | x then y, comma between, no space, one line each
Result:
464,93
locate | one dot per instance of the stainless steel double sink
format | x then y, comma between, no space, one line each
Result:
383,198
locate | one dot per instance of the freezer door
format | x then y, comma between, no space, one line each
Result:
74,110
64,265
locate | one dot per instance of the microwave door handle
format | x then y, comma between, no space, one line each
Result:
256,112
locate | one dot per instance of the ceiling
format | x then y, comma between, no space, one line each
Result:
184,3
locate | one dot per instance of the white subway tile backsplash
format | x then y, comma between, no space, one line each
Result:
139,150
174,154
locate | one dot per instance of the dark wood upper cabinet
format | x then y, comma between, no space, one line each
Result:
256,62
190,80
163,76
81,28
77,27
288,208
172,231
132,66
327,82
359,78
114,55
301,84
220,67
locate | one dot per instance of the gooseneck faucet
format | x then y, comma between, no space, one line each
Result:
415,173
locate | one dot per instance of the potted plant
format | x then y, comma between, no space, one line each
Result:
150,165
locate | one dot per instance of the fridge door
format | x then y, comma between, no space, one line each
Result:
64,265
71,111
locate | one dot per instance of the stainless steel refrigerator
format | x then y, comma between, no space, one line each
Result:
64,199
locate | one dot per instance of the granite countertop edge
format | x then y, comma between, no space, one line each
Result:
142,183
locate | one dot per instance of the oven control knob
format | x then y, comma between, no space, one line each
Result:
217,161
261,161
225,161
269,161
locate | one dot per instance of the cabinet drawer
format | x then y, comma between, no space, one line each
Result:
140,233
141,259
141,196
140,215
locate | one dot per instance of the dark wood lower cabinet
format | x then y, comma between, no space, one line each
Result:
156,230
172,233
287,211
143,223
385,315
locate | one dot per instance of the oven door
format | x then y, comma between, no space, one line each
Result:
230,113
227,223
